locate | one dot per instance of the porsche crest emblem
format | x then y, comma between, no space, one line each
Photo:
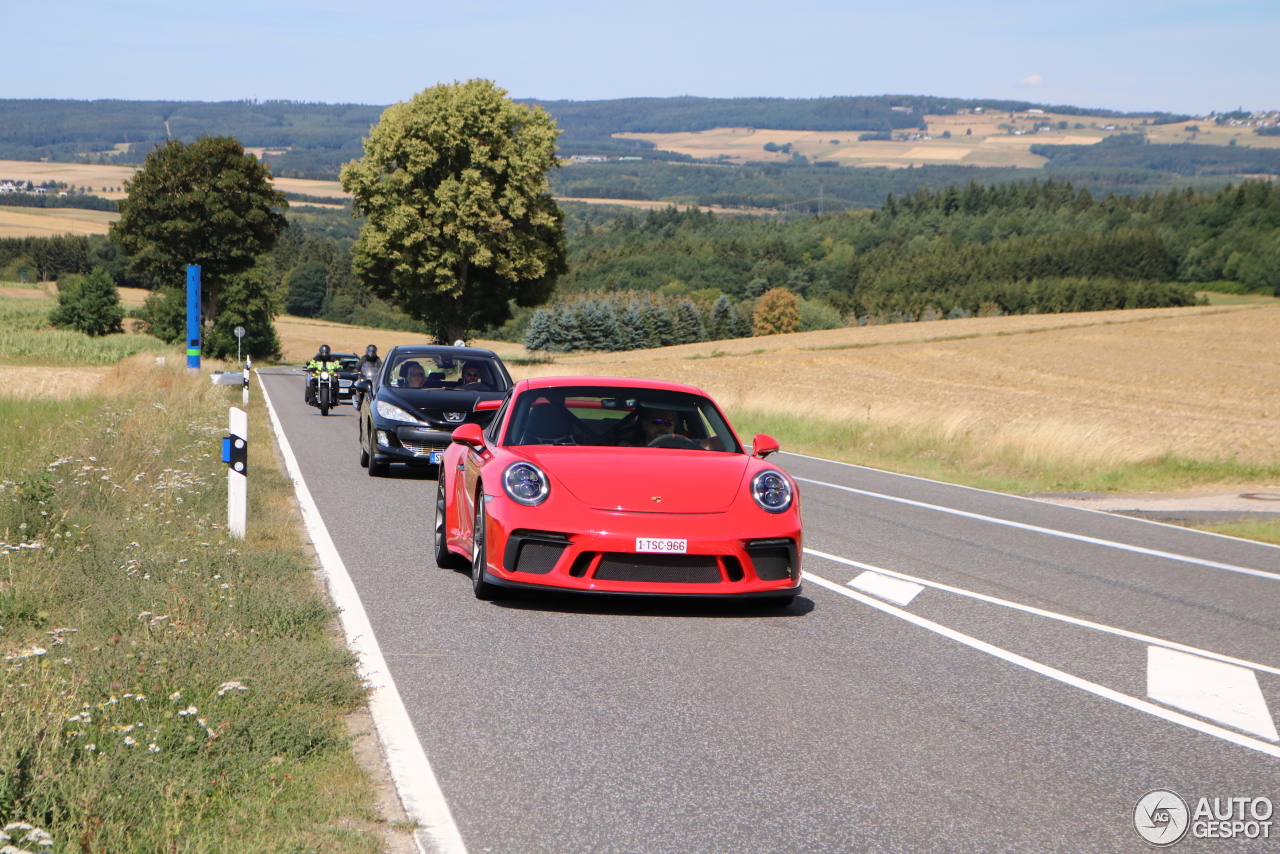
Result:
657,499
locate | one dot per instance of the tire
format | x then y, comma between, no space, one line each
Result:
376,469
445,559
483,589
324,400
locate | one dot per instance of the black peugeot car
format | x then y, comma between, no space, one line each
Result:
420,396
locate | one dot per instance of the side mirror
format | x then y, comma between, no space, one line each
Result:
488,405
470,435
363,386
762,446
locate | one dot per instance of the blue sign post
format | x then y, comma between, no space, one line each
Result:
193,317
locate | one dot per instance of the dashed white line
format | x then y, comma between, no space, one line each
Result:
1040,612
1053,532
1051,672
415,781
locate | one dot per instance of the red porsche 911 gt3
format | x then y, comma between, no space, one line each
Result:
606,485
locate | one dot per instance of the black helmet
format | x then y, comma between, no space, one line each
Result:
324,351
371,351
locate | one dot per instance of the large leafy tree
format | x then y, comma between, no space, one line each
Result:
206,203
459,222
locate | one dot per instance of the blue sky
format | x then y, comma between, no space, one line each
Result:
1175,55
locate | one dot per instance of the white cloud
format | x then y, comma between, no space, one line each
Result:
1033,80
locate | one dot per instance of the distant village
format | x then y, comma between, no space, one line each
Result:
8,185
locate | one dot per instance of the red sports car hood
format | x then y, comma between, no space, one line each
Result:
632,478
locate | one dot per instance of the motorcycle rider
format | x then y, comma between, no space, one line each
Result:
370,362
320,362
371,357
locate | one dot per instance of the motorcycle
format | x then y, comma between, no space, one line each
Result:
324,390
368,371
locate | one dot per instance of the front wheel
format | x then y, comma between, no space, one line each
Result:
482,588
324,400
376,469
445,559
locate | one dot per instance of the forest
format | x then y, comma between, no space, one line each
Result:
956,252
1131,151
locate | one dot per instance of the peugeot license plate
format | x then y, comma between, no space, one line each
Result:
646,544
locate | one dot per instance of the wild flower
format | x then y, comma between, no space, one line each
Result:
175,696
153,748
189,710
233,685
91,747
130,741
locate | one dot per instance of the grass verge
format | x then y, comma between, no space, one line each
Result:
959,458
1262,531
165,688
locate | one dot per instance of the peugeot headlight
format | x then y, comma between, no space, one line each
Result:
772,491
525,484
391,412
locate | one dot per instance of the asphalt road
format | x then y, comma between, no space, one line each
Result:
1004,708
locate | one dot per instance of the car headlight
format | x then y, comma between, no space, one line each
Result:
391,412
525,484
772,491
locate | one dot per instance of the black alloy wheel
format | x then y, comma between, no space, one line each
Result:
483,589
376,469
445,559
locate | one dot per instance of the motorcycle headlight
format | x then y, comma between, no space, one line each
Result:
772,491
391,412
525,484
324,375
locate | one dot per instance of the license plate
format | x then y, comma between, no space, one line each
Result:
645,544
436,458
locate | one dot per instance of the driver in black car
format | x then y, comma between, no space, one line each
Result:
473,375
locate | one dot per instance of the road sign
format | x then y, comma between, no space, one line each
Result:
239,330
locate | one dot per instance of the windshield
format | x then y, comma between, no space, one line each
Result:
620,418
442,371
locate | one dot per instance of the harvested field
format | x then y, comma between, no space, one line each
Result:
102,179
1106,387
987,145
49,222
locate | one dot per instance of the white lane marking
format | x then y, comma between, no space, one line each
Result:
415,782
1052,615
1050,531
1028,498
1051,672
894,590
1211,689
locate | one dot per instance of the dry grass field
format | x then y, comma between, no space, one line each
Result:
1099,388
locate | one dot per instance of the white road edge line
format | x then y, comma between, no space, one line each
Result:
1041,502
1040,612
1052,673
415,782
1244,570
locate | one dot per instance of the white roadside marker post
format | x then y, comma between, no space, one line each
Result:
235,453
247,363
